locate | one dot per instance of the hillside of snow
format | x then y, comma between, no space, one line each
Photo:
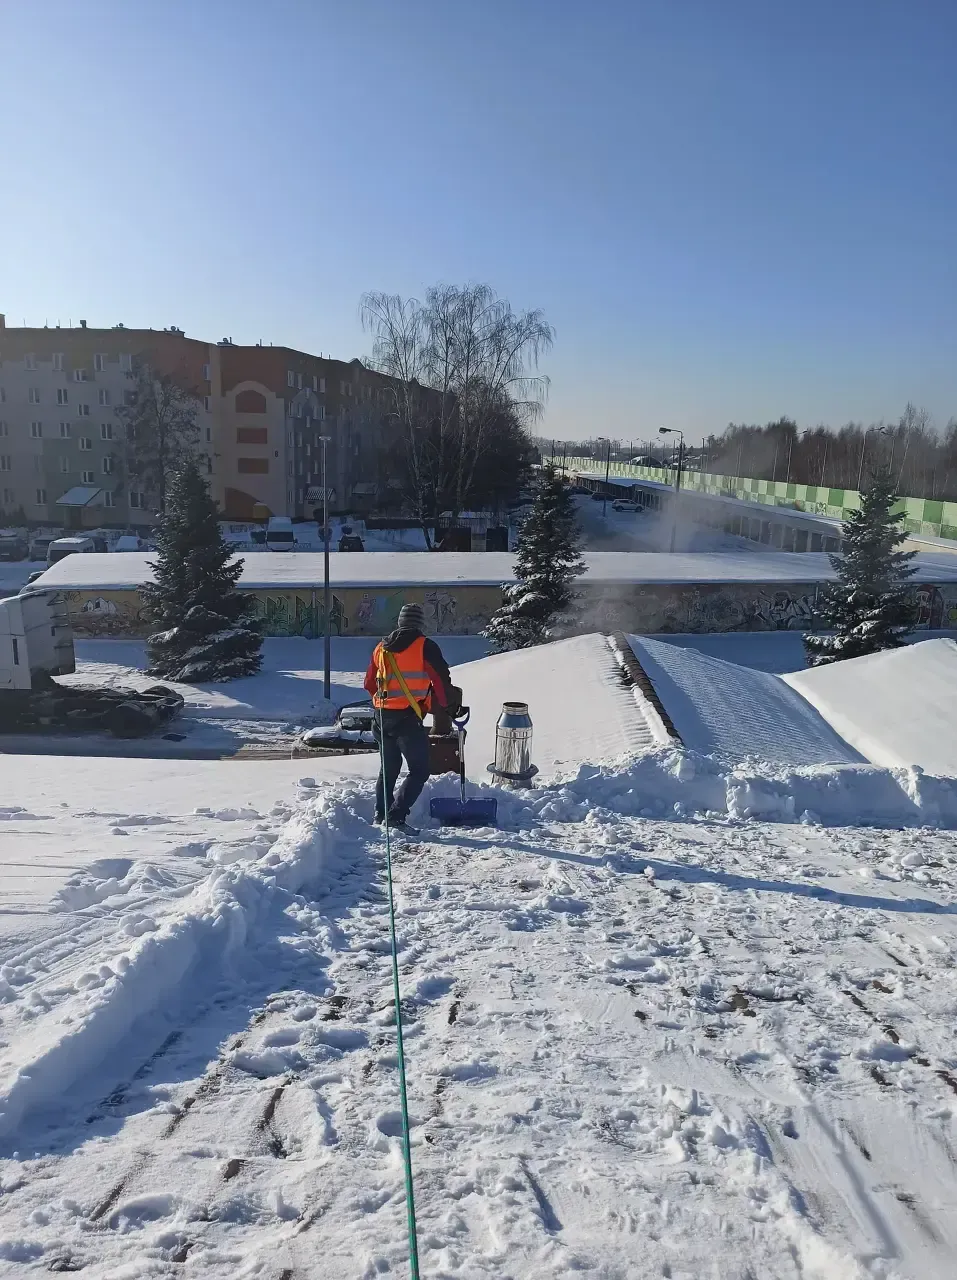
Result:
637,1046
897,708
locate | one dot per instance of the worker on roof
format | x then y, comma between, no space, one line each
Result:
406,673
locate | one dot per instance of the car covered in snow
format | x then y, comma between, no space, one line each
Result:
623,504
351,731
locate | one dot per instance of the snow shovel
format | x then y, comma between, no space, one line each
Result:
461,810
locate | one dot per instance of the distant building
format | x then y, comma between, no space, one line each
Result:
260,410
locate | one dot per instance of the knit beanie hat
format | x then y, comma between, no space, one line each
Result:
411,618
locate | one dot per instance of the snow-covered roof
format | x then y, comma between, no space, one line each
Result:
303,569
81,495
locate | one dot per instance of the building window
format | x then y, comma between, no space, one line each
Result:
83,410
41,497
87,477
79,375
5,462
206,402
322,413
64,431
85,444
34,396
37,462
29,361
7,495
129,398
108,466
289,467
252,466
290,377
299,381
137,499
58,361
209,465
36,430
209,435
4,429
108,498
106,430
99,362
62,395
252,435
104,396
126,363
288,439
206,372
64,464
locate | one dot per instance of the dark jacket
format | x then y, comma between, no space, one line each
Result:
437,669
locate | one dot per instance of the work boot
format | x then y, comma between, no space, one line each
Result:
400,824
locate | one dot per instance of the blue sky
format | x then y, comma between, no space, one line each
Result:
728,209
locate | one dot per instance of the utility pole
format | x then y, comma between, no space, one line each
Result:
327,641
674,431
604,505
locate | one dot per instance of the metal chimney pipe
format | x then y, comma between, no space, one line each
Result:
513,745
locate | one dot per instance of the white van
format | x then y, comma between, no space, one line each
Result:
279,534
60,548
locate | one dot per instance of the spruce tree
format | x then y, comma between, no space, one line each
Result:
206,628
869,607
548,562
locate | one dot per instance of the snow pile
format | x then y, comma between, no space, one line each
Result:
718,706
897,708
679,783
157,959
580,709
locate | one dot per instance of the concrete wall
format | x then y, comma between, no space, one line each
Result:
464,610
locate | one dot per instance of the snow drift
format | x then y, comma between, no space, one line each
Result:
898,708
219,921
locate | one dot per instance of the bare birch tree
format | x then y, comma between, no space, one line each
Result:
159,416
454,361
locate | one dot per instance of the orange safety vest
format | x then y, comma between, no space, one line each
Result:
411,663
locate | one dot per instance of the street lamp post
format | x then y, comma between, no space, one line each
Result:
326,639
604,503
674,431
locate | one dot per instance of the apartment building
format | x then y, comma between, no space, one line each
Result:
260,411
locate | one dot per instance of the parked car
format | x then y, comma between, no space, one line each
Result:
598,497
39,546
13,546
60,548
579,490
129,542
37,573
279,534
621,504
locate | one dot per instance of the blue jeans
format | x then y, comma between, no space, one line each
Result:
404,736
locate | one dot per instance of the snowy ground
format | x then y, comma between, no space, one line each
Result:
271,707
637,1048
674,1018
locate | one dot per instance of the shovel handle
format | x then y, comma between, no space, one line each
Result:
462,762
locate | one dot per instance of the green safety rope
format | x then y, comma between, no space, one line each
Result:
403,1095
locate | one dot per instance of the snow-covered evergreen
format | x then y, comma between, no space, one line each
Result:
868,609
206,628
548,561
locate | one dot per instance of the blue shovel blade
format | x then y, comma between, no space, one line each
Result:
479,811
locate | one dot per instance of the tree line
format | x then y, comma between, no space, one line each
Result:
920,459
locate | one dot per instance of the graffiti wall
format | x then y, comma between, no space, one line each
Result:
465,610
